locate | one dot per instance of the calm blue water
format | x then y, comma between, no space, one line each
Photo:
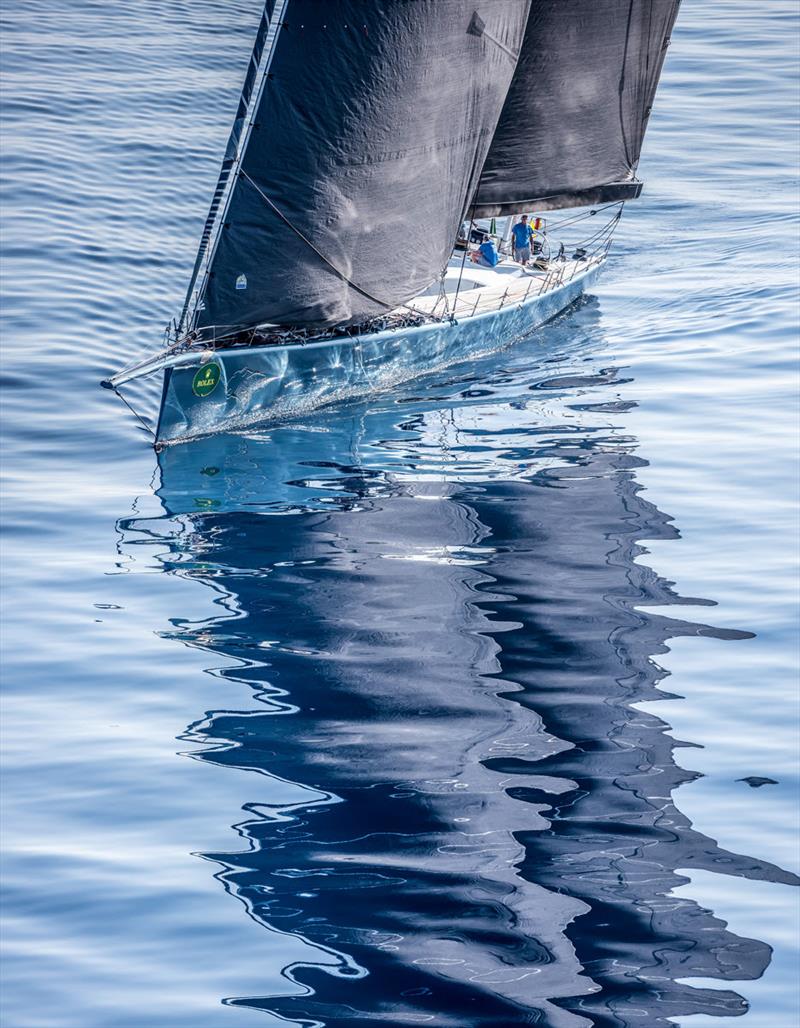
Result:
437,709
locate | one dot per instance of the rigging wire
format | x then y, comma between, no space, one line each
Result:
607,229
136,414
590,214
442,297
464,258
321,255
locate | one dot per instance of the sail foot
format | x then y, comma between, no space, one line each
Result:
610,192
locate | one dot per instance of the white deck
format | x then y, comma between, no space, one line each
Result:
488,289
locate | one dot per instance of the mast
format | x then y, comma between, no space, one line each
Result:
263,47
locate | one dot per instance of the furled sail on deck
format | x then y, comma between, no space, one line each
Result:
369,134
571,128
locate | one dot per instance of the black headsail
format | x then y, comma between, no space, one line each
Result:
572,125
231,150
367,141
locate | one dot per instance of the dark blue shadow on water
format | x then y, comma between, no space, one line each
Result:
438,606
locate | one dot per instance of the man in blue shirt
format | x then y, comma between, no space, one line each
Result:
487,255
521,234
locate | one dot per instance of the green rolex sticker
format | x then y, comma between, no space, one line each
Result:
205,381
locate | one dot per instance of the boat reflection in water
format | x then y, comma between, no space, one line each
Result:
437,605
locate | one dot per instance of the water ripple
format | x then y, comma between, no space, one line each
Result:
433,684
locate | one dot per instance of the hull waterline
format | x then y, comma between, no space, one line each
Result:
262,384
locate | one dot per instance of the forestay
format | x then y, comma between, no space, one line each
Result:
571,128
367,141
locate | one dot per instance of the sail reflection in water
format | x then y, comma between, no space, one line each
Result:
439,610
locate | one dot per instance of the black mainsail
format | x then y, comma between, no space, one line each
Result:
572,126
366,143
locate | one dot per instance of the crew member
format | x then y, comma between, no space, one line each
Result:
486,255
522,234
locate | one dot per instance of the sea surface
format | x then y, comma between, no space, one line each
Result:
474,704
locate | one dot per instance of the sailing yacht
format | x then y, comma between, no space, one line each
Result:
368,138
